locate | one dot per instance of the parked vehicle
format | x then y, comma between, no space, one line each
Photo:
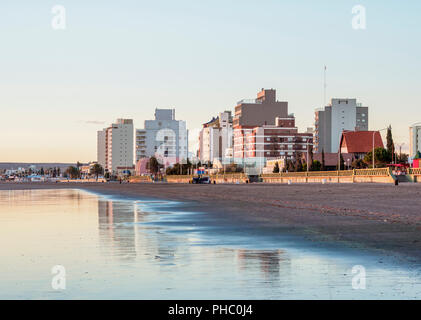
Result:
201,180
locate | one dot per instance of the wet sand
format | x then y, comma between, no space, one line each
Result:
379,217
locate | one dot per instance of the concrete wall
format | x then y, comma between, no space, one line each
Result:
140,179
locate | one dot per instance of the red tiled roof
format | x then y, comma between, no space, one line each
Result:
361,141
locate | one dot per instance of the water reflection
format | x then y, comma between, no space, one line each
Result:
155,250
116,228
268,261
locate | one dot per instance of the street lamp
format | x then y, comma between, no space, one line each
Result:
373,155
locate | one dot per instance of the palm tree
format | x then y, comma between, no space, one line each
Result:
96,170
73,172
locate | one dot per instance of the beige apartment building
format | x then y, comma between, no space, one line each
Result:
115,147
216,138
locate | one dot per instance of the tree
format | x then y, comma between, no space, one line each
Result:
153,165
298,163
389,143
402,158
316,166
290,166
179,169
359,164
323,160
96,170
381,156
341,163
276,168
73,172
310,152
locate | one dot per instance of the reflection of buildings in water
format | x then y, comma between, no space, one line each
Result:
122,233
269,261
116,228
158,245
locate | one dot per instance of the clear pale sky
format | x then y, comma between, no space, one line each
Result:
125,58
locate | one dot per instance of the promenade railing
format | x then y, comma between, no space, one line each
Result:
415,171
342,173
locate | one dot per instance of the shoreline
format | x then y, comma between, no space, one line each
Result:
383,218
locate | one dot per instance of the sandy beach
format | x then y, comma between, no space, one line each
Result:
383,218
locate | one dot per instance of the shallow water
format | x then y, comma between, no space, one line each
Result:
114,248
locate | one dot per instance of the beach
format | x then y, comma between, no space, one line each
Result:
379,217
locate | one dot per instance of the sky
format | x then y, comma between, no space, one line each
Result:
123,59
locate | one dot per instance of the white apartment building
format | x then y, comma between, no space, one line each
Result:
216,138
164,138
115,146
414,139
331,121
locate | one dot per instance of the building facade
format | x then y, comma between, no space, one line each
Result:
264,130
164,138
216,138
260,111
359,143
341,115
115,146
414,139
272,141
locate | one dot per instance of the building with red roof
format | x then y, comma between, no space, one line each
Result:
359,143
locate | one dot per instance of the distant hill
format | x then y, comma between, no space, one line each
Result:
15,165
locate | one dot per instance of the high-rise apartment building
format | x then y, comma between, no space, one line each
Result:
341,115
414,139
115,146
260,111
164,138
216,138
264,129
